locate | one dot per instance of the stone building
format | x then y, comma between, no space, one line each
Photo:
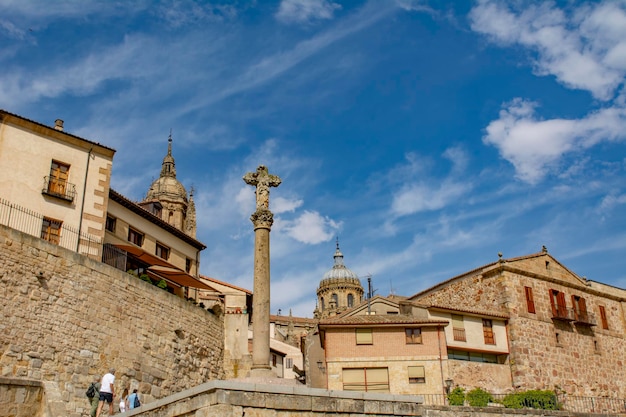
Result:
564,332
53,184
339,290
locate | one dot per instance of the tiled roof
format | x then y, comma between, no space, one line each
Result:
387,319
481,312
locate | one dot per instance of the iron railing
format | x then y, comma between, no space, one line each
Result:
59,188
30,222
576,404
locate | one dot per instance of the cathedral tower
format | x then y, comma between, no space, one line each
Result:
167,197
340,289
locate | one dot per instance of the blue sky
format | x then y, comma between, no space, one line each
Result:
426,136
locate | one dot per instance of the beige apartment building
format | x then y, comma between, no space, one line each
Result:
53,184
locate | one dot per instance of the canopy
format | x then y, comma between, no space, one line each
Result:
161,267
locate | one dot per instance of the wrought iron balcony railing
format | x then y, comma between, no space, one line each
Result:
59,188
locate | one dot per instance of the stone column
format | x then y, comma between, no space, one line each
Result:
262,219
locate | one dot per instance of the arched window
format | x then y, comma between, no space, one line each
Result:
335,299
350,300
322,302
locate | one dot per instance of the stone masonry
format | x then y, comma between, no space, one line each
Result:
67,318
568,356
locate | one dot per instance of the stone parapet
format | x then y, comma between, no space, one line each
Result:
21,398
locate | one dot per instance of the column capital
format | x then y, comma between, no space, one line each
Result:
262,219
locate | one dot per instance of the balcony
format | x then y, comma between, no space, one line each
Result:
562,313
585,318
56,187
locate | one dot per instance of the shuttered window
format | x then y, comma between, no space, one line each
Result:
417,375
364,337
605,322
366,379
530,302
458,328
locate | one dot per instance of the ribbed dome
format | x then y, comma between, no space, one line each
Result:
339,272
167,188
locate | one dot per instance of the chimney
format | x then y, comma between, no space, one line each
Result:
58,125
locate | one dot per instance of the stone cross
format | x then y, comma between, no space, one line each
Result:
262,180
262,219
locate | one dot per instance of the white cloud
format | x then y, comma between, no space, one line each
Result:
414,198
611,201
458,157
310,227
283,205
534,146
586,50
305,11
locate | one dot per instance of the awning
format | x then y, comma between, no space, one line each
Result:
163,268
180,277
144,256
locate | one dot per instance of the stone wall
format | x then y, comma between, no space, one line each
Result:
20,398
67,318
237,399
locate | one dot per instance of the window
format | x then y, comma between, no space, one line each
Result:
323,304
557,302
110,224
51,230
472,356
135,237
417,375
274,360
334,299
488,332
605,323
162,251
458,328
350,300
289,363
364,337
413,336
188,265
366,379
59,174
580,309
530,302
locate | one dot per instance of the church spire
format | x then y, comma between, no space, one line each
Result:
168,169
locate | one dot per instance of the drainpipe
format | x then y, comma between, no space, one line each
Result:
82,205
443,383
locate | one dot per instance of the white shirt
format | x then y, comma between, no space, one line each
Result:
107,382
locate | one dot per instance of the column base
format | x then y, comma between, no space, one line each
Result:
262,373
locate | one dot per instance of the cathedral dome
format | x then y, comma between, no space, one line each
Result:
167,188
339,271
339,289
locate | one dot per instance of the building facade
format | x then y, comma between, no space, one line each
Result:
53,184
564,333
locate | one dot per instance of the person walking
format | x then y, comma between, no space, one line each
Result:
133,400
124,401
96,398
107,392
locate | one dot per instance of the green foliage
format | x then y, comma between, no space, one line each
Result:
456,396
132,272
145,277
538,399
478,398
162,284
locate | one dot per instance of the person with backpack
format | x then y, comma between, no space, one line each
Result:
93,393
133,400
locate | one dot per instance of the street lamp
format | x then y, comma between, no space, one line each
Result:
320,366
449,383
